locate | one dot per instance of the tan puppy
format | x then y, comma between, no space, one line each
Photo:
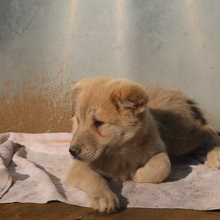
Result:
122,130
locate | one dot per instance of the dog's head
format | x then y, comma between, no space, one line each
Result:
107,114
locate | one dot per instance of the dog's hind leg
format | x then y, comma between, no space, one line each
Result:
213,158
211,141
155,170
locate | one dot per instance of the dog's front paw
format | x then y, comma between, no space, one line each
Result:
106,202
213,158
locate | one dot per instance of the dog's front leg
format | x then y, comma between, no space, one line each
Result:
155,170
81,176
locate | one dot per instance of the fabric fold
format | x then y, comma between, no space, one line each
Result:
6,154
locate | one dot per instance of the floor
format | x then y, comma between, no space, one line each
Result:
58,210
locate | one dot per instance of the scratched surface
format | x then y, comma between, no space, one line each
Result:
46,46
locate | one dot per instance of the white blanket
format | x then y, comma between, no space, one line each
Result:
33,169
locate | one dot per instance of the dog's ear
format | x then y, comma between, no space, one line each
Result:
130,96
76,90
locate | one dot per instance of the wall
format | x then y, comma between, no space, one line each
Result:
46,46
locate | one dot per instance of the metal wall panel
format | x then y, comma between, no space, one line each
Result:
45,46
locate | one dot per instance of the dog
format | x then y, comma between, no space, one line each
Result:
124,130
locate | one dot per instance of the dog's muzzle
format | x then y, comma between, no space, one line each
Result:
74,151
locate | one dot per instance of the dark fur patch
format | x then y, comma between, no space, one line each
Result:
209,140
175,131
197,114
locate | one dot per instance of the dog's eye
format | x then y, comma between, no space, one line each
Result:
98,123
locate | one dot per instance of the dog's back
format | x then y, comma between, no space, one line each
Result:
180,122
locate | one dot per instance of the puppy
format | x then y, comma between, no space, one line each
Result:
123,130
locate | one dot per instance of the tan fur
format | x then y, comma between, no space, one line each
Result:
123,130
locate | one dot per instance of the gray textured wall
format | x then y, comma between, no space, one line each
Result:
45,46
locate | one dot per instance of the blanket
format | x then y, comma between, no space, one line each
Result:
33,168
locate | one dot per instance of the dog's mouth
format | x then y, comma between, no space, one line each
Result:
78,154
86,156
75,157
74,151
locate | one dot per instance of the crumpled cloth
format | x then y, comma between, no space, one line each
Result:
33,168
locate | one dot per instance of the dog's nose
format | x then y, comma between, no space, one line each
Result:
74,151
